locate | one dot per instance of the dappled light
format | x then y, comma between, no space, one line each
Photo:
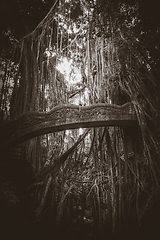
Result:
79,116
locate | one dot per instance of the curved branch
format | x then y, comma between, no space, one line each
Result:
60,161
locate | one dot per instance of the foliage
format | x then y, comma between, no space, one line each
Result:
103,173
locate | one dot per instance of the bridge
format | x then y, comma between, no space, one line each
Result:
62,117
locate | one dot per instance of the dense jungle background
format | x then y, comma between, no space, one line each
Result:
85,183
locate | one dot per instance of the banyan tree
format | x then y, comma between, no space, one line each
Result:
80,108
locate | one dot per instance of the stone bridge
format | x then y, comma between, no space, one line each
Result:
62,117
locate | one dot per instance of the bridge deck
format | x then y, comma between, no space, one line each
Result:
63,117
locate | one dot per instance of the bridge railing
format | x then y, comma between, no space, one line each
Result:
63,117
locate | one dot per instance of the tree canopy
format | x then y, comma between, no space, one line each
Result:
57,53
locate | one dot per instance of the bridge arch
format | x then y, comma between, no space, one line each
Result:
64,117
